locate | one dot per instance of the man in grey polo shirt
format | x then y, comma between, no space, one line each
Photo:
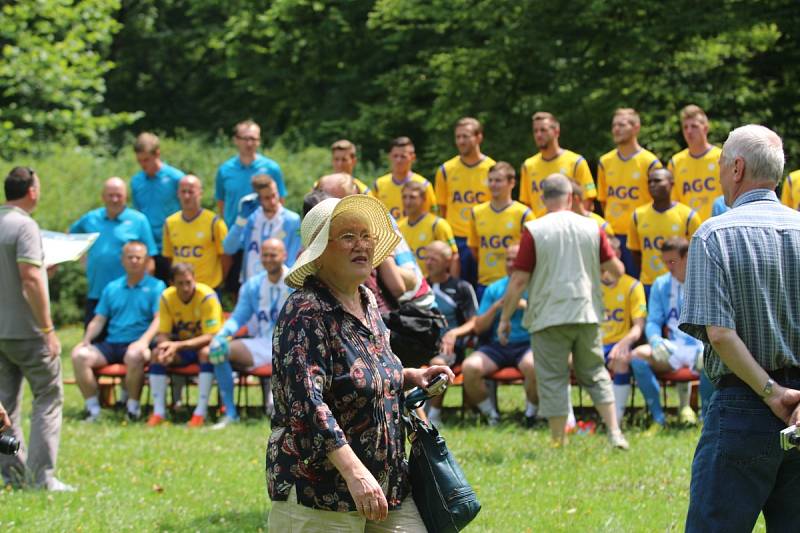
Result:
742,300
29,346
560,259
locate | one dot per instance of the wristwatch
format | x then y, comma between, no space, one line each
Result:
767,390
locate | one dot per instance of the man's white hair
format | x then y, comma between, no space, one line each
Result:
762,151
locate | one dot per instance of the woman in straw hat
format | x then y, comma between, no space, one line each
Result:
337,440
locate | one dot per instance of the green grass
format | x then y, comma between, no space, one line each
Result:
134,478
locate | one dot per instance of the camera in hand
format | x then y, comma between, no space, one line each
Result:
8,445
790,438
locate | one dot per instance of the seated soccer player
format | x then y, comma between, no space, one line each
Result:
260,298
189,316
456,300
129,305
625,312
493,356
678,349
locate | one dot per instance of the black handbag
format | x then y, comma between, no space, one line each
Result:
443,495
415,333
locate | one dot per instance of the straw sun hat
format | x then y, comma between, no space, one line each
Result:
315,232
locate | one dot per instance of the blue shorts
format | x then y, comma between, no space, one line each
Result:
186,357
114,352
504,356
607,350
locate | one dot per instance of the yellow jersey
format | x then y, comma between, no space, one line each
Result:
492,232
650,228
602,224
197,242
201,315
424,231
536,168
460,187
390,192
790,195
624,302
622,185
696,180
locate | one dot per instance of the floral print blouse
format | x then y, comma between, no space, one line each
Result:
334,382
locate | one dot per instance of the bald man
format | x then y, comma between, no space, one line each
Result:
194,235
117,224
337,185
261,299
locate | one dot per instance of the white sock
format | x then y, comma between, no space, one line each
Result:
621,395
684,392
204,382
487,408
133,407
530,409
571,415
158,386
267,388
93,405
176,385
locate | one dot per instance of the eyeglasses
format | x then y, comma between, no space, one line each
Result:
349,240
248,139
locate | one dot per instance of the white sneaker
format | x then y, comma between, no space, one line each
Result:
225,422
618,441
55,485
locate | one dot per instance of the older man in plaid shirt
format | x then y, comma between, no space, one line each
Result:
743,302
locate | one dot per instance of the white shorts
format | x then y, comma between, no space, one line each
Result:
685,356
260,349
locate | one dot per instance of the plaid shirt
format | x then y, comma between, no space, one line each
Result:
744,275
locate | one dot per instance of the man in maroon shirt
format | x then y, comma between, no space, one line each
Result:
560,259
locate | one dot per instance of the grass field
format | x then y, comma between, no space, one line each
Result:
134,478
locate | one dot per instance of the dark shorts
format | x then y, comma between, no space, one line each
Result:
114,352
186,357
607,350
469,267
231,283
504,356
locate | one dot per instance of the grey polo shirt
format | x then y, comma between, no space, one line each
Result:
20,242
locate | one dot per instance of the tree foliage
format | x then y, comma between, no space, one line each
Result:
315,70
54,59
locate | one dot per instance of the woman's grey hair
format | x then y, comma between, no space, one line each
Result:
761,149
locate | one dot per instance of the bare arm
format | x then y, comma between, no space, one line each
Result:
613,267
785,403
484,322
622,348
396,279
35,292
220,207
93,329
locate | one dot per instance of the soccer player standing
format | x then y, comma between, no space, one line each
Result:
622,179
696,169
462,183
552,159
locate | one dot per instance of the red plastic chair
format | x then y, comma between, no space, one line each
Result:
262,373
114,375
682,375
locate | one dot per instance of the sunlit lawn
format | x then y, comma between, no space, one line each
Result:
134,478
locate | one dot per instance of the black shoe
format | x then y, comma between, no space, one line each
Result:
132,417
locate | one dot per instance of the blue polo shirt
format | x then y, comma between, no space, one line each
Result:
493,293
157,197
233,182
104,262
129,310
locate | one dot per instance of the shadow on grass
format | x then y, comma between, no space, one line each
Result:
229,521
